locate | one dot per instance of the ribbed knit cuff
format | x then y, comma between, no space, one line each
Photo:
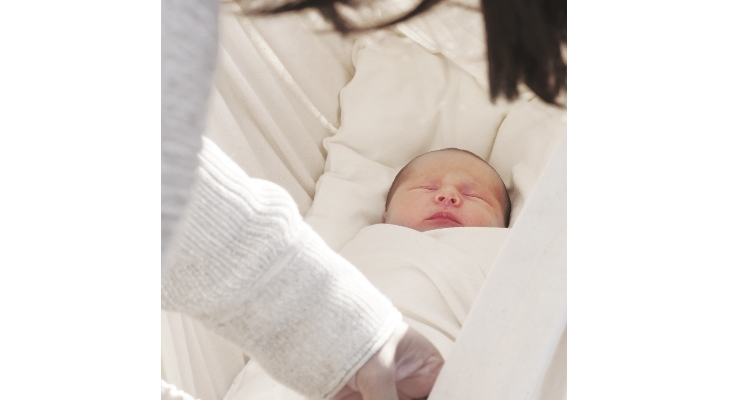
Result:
247,266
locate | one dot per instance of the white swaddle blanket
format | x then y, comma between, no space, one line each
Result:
431,277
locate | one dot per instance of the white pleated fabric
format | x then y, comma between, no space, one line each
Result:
454,29
195,359
276,97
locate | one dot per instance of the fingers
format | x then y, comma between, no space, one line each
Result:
381,388
347,393
405,368
418,364
376,380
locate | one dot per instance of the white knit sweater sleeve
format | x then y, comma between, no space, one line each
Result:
246,265
238,257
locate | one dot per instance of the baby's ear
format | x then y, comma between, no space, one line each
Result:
385,215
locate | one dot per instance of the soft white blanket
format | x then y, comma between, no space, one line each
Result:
431,277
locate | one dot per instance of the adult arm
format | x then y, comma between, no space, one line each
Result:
246,265
240,259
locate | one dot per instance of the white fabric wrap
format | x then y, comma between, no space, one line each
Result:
247,266
431,277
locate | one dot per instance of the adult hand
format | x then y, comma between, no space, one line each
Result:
405,368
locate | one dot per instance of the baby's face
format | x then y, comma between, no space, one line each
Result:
447,189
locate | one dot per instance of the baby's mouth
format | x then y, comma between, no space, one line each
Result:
444,216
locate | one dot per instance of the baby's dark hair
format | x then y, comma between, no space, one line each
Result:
403,174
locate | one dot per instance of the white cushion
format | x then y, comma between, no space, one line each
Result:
403,101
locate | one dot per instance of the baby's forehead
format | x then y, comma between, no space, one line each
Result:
441,163
435,165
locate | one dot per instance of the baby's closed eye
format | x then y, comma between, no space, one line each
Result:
475,195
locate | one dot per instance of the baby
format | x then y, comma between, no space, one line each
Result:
447,188
432,278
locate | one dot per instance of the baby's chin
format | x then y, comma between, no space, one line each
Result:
430,225
440,223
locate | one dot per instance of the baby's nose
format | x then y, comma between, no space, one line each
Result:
452,199
447,195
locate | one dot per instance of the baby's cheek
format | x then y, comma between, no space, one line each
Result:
411,219
476,219
489,218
